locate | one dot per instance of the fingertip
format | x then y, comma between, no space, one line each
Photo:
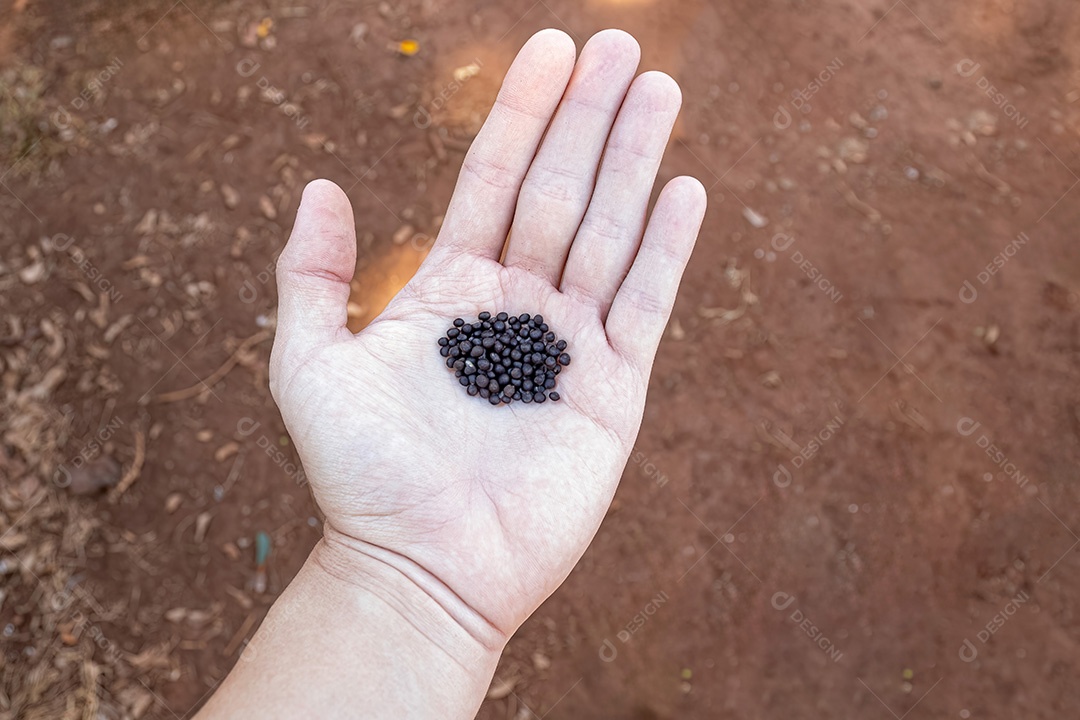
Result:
322,189
689,193
659,89
552,44
617,44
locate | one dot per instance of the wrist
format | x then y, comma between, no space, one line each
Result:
420,598
350,636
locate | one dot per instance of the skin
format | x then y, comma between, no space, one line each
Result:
448,520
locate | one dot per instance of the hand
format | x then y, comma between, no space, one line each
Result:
487,508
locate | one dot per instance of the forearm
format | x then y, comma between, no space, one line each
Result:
354,637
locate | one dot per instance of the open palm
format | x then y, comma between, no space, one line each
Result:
489,507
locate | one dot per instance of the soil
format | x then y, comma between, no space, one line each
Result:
854,493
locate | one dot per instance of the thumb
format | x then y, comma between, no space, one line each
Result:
314,271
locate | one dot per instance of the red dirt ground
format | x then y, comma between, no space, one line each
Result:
805,531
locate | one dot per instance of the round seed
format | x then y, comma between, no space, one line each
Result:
503,358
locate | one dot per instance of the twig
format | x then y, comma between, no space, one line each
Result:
132,473
241,634
217,375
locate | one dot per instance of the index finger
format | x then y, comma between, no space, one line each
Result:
482,206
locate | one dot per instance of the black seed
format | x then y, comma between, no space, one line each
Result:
503,358
554,396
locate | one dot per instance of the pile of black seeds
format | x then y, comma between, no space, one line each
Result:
504,358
